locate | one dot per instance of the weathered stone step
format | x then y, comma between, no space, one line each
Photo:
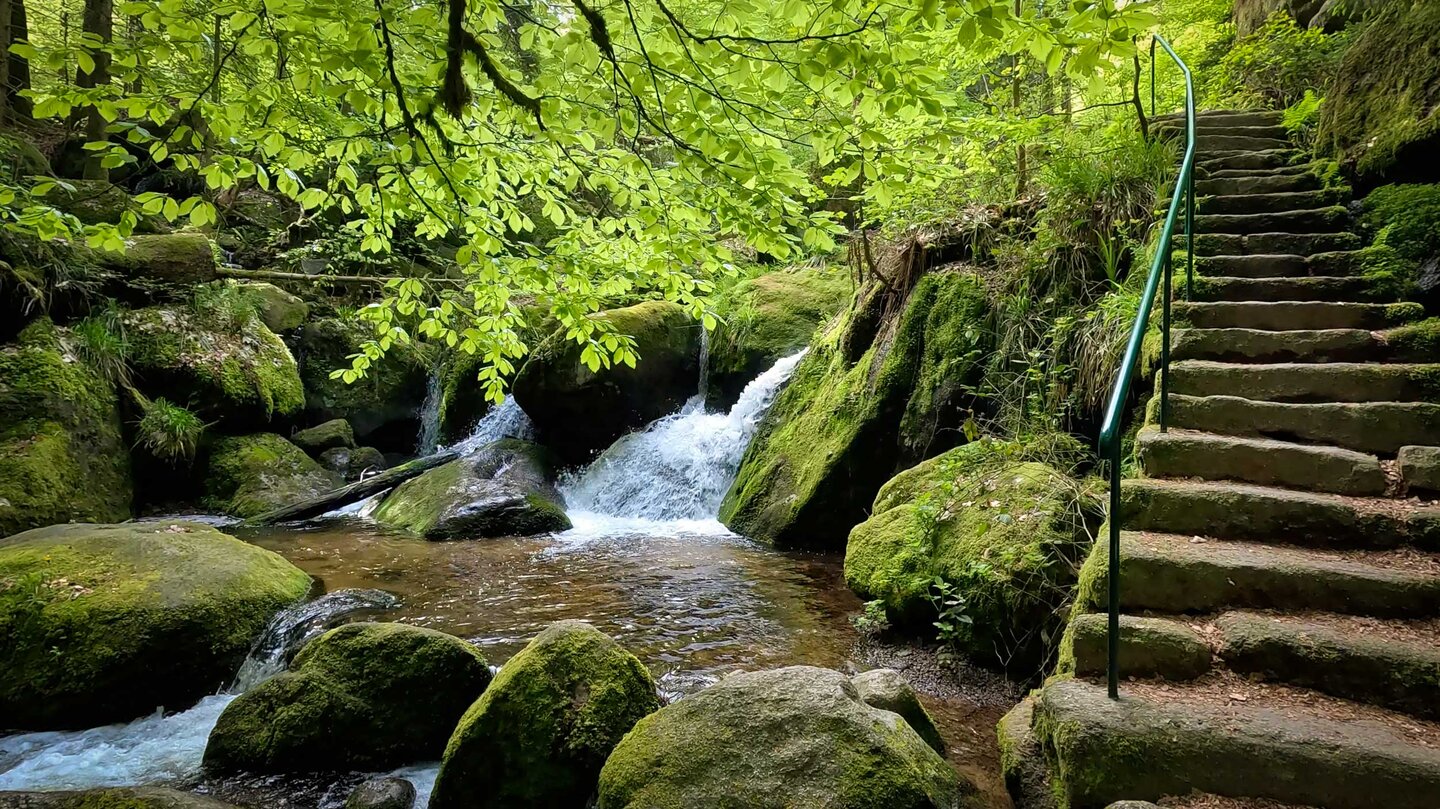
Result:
1288,170
1208,118
1217,160
1261,461
1152,744
1276,266
1393,665
1378,427
1186,574
1252,345
1296,244
1293,315
1265,183
1256,203
1149,647
1208,141
1308,382
1320,220
1305,288
1245,511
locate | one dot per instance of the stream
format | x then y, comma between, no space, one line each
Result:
646,562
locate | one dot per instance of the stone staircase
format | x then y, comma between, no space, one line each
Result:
1280,558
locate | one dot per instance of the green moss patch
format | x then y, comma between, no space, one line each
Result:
249,475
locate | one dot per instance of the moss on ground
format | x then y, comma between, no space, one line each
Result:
1417,342
250,475
89,613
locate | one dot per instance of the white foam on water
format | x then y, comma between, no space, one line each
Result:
422,777
506,420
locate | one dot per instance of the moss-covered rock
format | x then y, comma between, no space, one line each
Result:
502,490
111,798
387,399
855,410
768,317
62,454
352,462
279,310
1382,109
578,412
790,737
241,374
249,475
539,734
363,696
103,623
159,268
1005,533
97,202
887,690
333,434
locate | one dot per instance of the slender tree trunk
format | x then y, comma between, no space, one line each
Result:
6,12
1022,159
132,33
21,108
215,63
99,21
1135,99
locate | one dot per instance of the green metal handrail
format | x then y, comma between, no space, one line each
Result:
1160,271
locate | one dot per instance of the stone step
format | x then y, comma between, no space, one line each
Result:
1208,141
1253,345
1391,664
1319,220
1261,461
1288,170
1377,427
1156,742
1308,381
1277,266
1265,183
1170,573
1149,647
1217,160
1304,288
1419,469
1245,511
1293,315
1297,244
1254,203
1222,118
1210,129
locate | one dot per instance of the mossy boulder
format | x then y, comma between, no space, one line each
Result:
540,733
863,402
383,407
1004,532
98,202
364,696
887,690
578,412
62,454
501,490
279,310
111,798
237,373
249,475
1381,115
790,737
352,462
160,268
769,317
104,623
333,434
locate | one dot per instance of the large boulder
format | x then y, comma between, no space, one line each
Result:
502,490
279,310
1381,115
579,412
383,407
237,372
104,623
539,734
868,398
111,798
249,475
363,696
1250,15
162,267
1002,529
790,737
353,462
333,434
887,690
62,454
769,317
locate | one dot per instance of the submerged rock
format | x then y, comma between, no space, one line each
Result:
578,412
249,475
382,793
769,317
798,736
62,454
539,735
333,434
362,696
111,798
387,399
502,490
238,372
865,400
104,623
1005,532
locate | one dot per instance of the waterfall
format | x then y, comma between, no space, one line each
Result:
430,413
680,467
506,420
296,626
704,365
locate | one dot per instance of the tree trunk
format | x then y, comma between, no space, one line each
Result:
99,21
354,492
6,11
21,108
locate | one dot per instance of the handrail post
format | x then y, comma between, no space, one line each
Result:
1112,644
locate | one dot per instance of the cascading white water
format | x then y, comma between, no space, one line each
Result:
679,467
429,437
296,626
506,420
